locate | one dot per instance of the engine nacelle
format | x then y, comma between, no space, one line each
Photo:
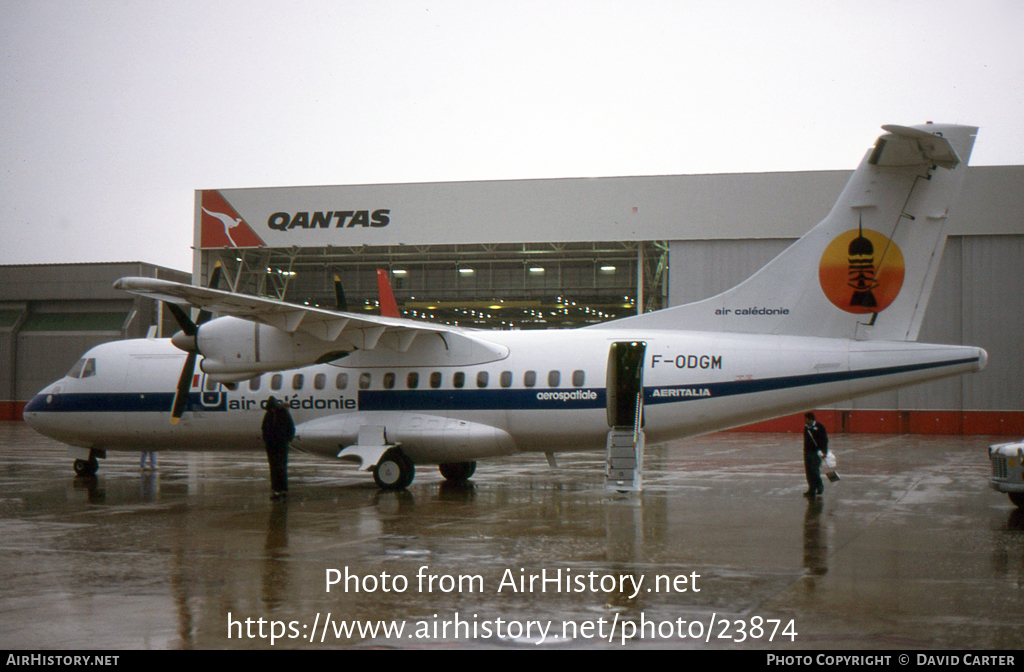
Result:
232,346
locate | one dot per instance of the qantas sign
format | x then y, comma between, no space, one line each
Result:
221,225
339,219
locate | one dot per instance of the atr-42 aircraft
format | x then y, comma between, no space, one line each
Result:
834,316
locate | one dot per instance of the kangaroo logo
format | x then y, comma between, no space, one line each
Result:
221,225
861,271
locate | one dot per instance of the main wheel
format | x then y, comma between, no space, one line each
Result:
86,467
394,471
1017,498
457,472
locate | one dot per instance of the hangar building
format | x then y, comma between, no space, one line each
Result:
556,253
52,313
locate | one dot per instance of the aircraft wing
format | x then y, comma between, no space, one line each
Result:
327,325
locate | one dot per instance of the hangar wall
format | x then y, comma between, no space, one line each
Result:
50,314
717,230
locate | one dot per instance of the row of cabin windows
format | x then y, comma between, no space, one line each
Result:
412,380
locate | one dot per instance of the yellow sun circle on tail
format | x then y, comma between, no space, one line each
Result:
861,271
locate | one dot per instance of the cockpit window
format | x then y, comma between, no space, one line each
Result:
76,370
83,368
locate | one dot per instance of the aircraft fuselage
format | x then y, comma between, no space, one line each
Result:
548,393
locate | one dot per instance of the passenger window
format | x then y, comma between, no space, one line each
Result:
412,381
458,379
275,381
481,379
320,381
389,380
76,370
506,379
90,368
341,382
298,381
578,378
554,378
435,379
530,378
364,381
254,383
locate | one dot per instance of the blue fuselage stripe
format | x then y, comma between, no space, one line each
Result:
666,394
474,399
119,402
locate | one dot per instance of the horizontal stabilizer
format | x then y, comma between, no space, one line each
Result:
913,147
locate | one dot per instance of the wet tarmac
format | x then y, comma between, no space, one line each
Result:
911,550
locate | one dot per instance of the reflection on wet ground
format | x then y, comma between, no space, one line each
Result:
910,550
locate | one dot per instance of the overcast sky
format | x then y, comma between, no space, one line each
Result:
113,113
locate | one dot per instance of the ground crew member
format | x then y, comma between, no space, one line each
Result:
278,430
815,448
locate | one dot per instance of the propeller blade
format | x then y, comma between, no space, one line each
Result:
184,385
215,276
183,320
339,294
205,315
187,343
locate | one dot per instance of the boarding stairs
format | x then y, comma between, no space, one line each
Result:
624,471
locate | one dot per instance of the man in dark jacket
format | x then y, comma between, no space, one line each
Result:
815,442
278,430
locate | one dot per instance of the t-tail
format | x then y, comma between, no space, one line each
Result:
866,272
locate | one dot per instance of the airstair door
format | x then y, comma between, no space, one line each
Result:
625,394
625,384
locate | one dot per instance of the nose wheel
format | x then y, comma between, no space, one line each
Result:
86,467
394,471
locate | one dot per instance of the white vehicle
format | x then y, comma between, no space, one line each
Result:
833,317
1008,470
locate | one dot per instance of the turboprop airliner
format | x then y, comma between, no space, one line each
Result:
834,316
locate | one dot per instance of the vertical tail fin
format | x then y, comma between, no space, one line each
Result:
388,305
867,270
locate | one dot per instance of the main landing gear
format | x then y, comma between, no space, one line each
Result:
394,471
457,472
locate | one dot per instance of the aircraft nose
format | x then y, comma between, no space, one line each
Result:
31,413
182,341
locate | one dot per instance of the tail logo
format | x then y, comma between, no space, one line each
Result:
861,271
221,225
